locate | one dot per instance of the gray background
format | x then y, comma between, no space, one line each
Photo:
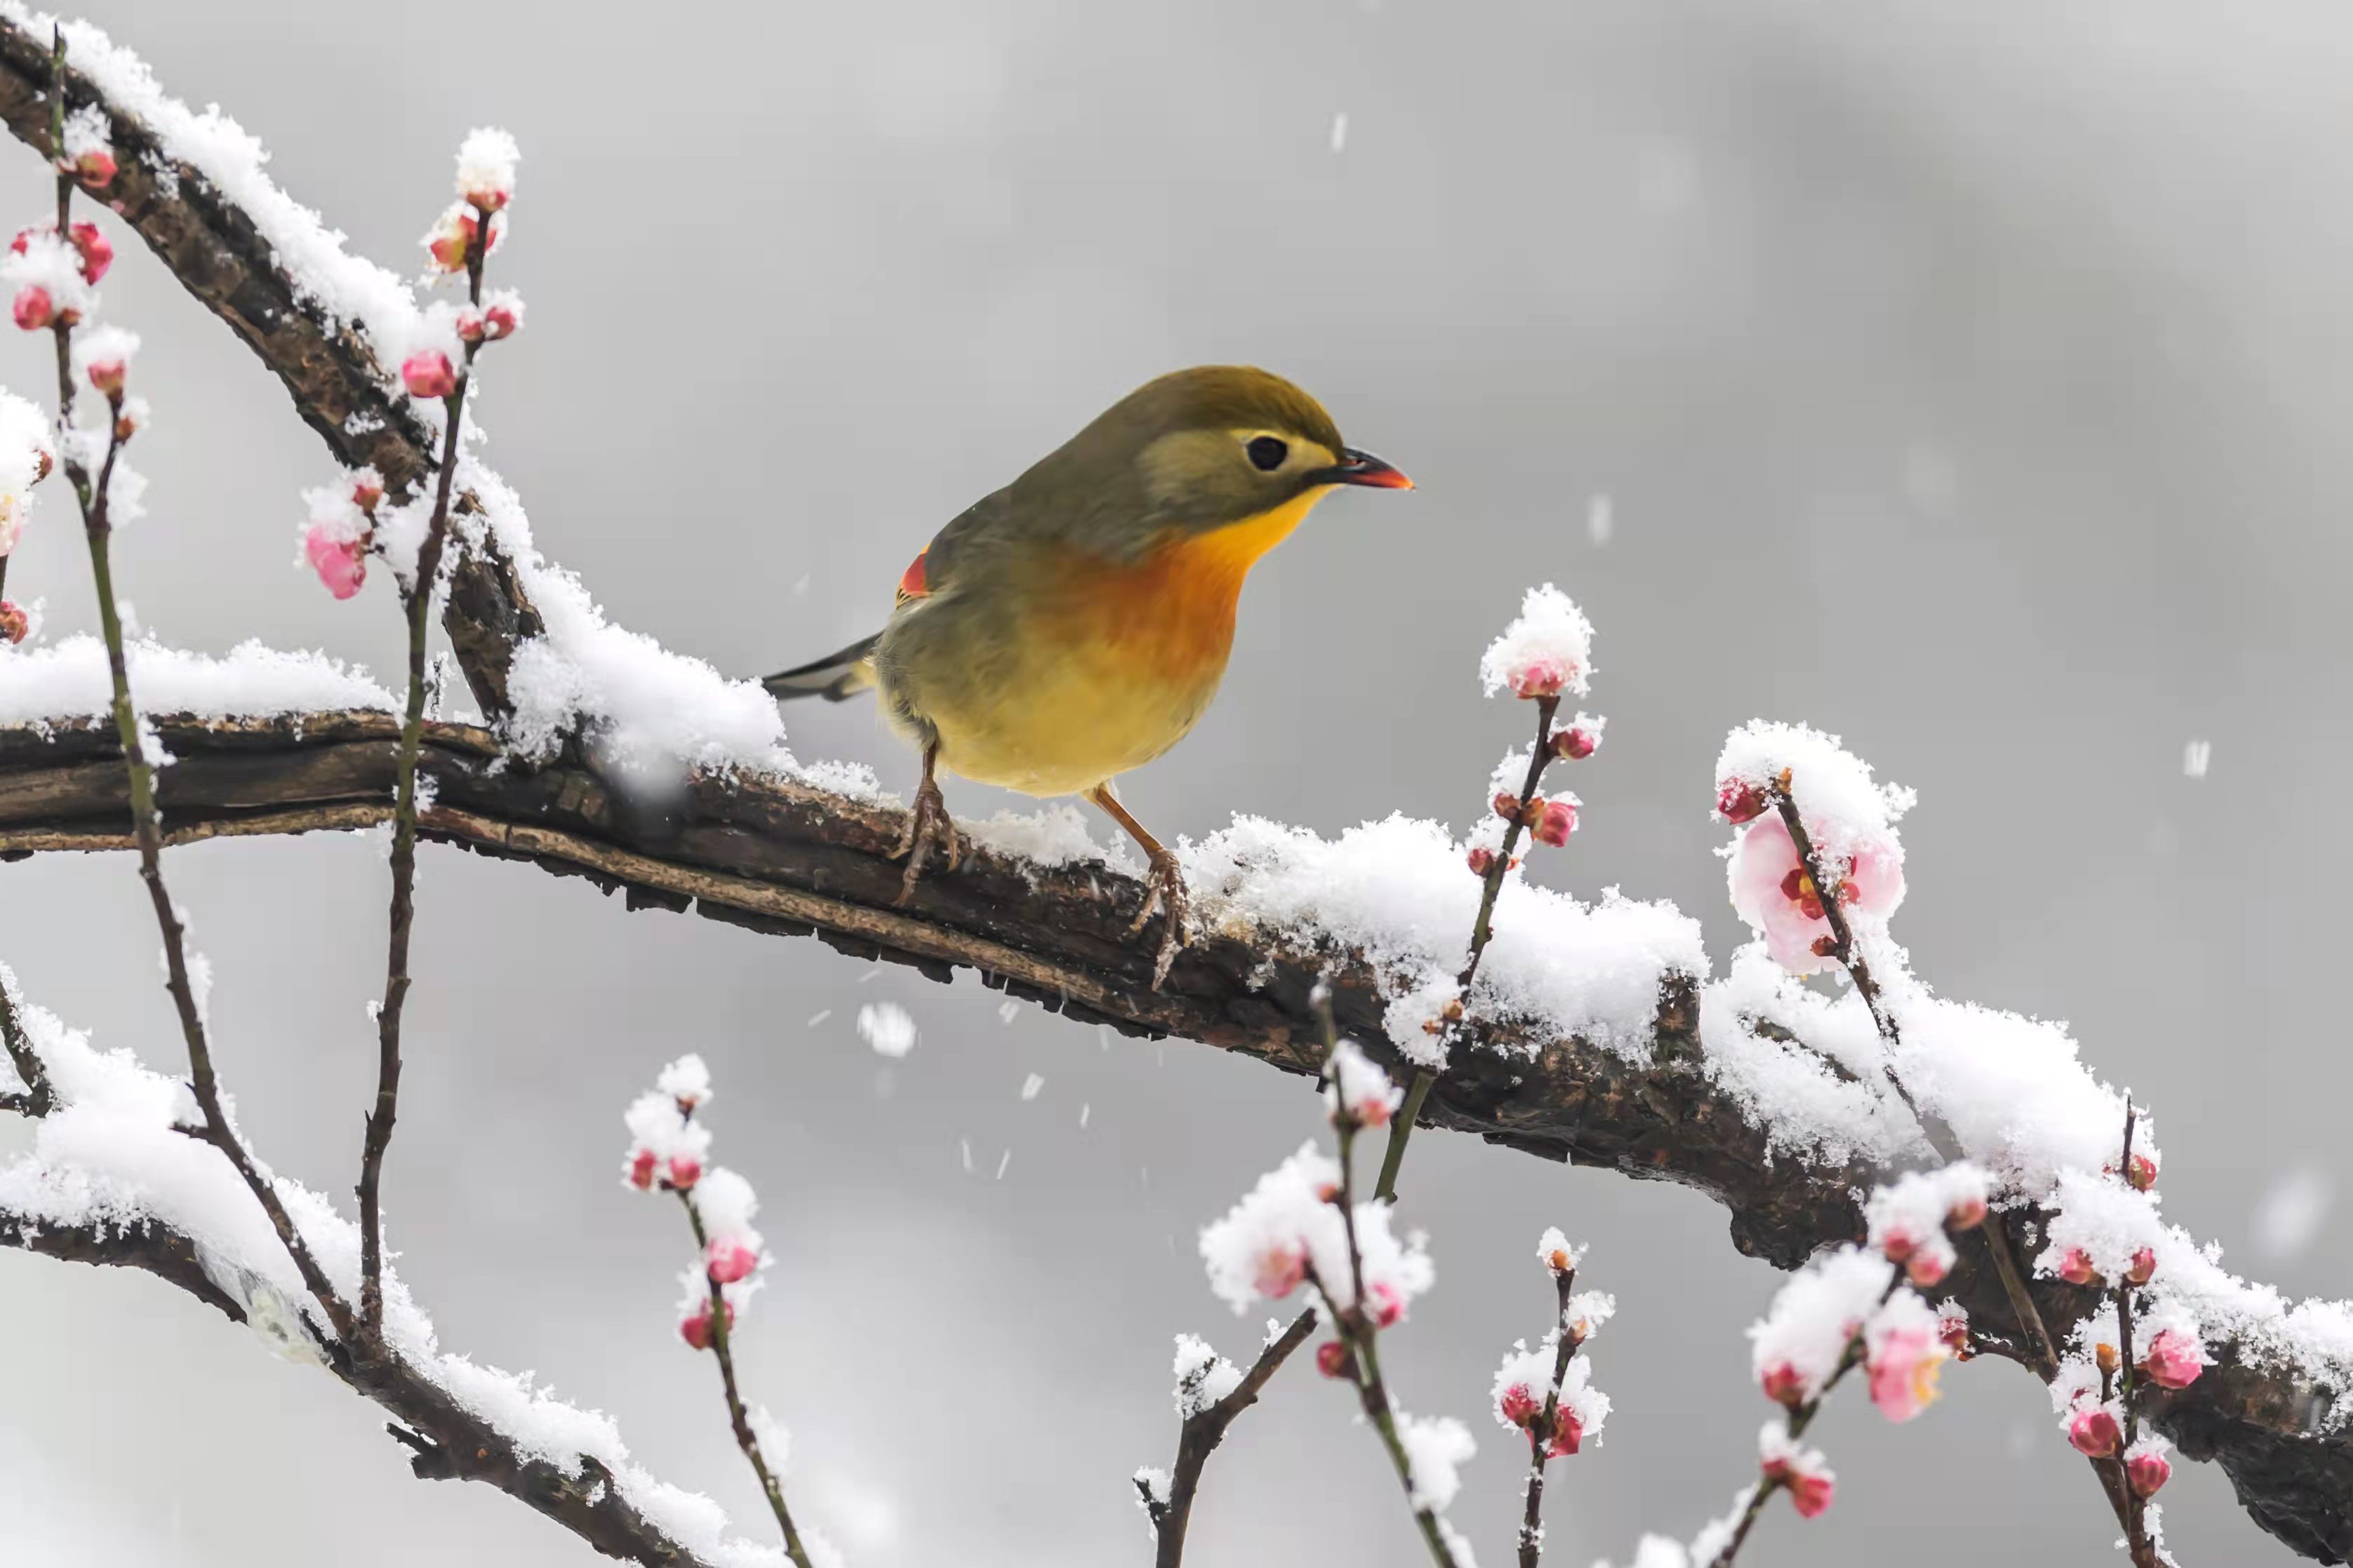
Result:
1968,380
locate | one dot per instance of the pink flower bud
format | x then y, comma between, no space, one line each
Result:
426,373
2149,1472
33,309
685,1170
2141,1171
1575,745
15,624
1567,1432
2075,1268
1898,1244
107,375
642,1168
501,320
2093,1431
469,326
1481,861
1784,1385
451,239
728,1260
96,168
1811,1494
1519,1405
2143,1267
1737,802
489,198
1385,1303
341,564
1539,677
1555,822
97,255
1333,1359
1953,1329
2174,1359
365,493
695,1327
1506,805
1928,1269
1967,1214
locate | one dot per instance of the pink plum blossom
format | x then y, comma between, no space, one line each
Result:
685,1170
1540,674
2147,1469
1784,1385
428,374
1773,893
695,1327
341,563
15,624
1905,1360
2174,1359
96,167
33,307
2092,1430
1810,1493
639,1172
1738,802
1576,744
1333,1359
2075,1268
1519,1405
1567,1432
730,1259
1555,822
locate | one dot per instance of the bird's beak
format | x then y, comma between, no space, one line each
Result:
1357,467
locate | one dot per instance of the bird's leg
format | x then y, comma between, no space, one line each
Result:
927,824
1166,888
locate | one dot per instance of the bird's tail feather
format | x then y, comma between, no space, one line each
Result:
834,677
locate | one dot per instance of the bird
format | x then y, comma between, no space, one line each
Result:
1074,626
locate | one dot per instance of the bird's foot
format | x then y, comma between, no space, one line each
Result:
1164,889
928,827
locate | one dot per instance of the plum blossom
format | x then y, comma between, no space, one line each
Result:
103,356
1553,820
1579,740
1802,1472
428,373
16,624
340,562
1904,1352
89,152
1773,892
1288,1225
1357,1089
1548,651
1804,1334
2174,1358
2147,1467
2092,1430
1555,1251
486,168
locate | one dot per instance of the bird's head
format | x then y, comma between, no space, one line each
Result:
1200,449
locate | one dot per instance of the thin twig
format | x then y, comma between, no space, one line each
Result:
146,828
418,605
1540,1434
737,1418
37,1099
1483,931
1204,1430
2118,1477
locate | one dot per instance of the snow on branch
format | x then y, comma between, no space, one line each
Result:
1596,1033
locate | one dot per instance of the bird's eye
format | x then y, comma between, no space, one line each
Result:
1266,453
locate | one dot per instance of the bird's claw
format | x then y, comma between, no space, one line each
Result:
927,825
1164,888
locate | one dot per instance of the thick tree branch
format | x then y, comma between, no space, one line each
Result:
785,858
449,1442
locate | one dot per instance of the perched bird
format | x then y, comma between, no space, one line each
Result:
1075,623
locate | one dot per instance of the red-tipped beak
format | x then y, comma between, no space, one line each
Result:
1357,467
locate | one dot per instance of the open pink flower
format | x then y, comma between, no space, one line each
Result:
1904,1361
1280,1270
341,564
1519,1405
1773,893
2075,1268
2174,1359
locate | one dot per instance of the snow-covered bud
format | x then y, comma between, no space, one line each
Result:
428,374
1576,744
1810,1493
729,1259
366,489
1356,1092
501,315
1567,1432
2148,1469
1897,1243
687,1082
97,253
685,1170
103,356
1784,1385
2141,1171
1555,1253
1953,1329
2174,1359
33,307
1738,802
639,1171
2093,1431
1555,822
1967,1212
2104,1357
486,169
2075,1268
341,563
15,626
1385,1304
1280,1270
452,238
469,325
107,375
1540,674
2143,1267
1481,861
95,167
1519,1405
1929,1266
130,417
695,1327
1333,1359
1506,803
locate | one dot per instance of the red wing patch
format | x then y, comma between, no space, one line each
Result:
912,581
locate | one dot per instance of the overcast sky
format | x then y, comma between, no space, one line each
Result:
1968,380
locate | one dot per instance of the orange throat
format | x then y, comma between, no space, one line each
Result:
1176,608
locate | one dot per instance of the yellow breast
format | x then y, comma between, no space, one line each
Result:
1116,663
